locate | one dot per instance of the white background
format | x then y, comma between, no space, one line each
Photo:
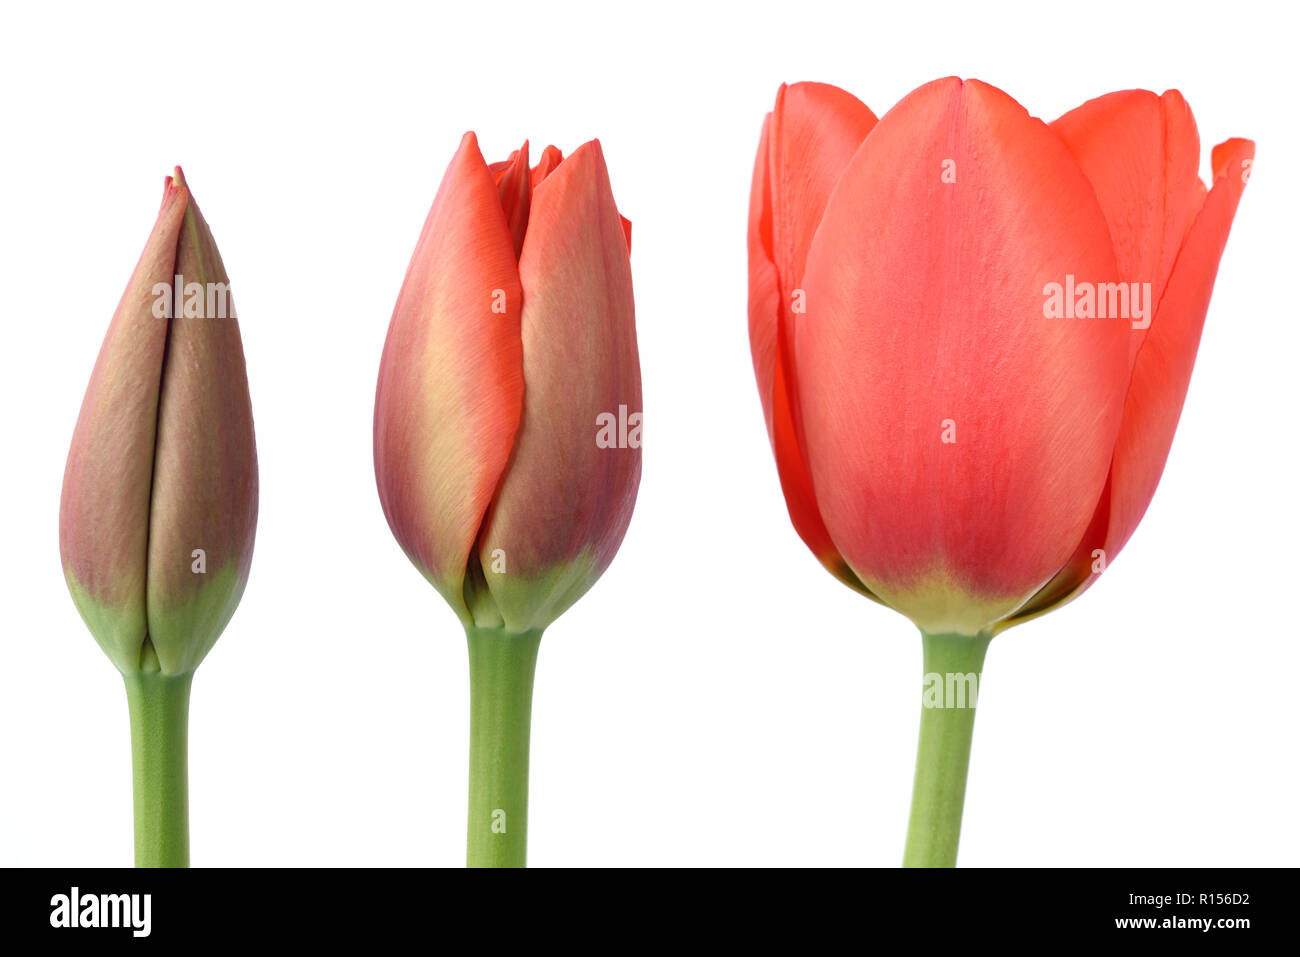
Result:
717,698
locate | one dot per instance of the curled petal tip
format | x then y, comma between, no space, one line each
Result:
1238,149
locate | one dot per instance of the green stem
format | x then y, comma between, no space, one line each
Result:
159,732
943,752
501,666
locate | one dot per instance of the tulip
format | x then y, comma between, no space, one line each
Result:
159,503
507,431
973,333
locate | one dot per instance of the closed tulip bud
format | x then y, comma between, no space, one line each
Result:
507,429
159,499
973,333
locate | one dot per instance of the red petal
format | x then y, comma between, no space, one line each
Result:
451,378
551,158
1140,152
514,186
1164,365
764,286
816,129
565,503
1159,385
807,141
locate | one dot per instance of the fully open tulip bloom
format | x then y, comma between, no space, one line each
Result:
507,431
973,332
159,502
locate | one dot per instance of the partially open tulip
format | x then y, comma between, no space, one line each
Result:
508,429
159,502
973,332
